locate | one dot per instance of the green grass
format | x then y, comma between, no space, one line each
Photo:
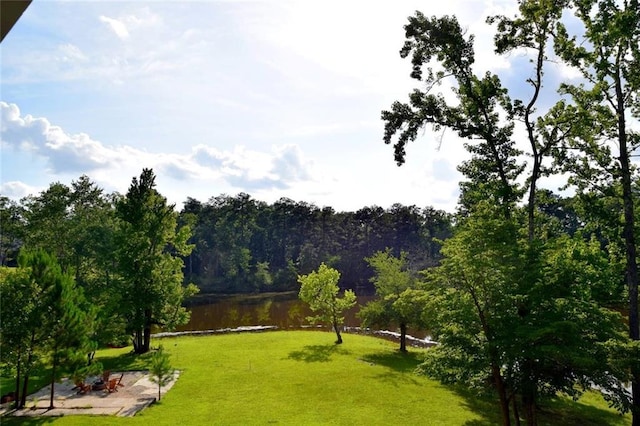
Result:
302,378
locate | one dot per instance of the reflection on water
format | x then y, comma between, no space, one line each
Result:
285,311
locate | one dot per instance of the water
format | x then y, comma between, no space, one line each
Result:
283,310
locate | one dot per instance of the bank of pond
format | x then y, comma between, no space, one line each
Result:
282,310
302,377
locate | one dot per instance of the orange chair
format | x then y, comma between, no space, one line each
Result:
83,387
112,386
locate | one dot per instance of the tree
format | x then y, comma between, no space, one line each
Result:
77,224
11,231
161,370
490,278
603,106
47,223
68,324
16,322
45,318
320,290
395,302
149,246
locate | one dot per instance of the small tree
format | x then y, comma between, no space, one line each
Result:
398,299
320,290
161,370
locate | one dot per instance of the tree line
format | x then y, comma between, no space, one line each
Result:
245,245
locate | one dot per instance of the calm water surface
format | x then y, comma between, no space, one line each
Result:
284,310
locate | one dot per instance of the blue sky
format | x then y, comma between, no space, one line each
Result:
274,98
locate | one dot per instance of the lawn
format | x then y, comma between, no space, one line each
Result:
302,378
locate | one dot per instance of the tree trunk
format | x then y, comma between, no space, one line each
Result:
337,330
516,414
630,244
529,404
23,397
403,337
137,341
146,342
16,397
53,381
502,394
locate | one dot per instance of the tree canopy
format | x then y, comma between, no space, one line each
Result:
149,263
320,290
513,289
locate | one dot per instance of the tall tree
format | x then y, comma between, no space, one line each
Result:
485,113
47,222
149,262
69,326
603,105
320,290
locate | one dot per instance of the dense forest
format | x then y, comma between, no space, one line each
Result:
245,245
240,244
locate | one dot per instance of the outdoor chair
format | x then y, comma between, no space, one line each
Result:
83,387
112,386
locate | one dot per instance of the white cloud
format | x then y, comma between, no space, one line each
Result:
74,154
17,190
118,27
253,170
65,153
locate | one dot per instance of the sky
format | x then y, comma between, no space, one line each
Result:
274,98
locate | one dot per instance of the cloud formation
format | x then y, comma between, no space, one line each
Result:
67,153
118,27
16,190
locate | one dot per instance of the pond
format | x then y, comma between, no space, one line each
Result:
283,310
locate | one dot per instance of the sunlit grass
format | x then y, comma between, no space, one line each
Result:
302,378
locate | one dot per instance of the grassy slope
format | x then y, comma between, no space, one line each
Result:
301,377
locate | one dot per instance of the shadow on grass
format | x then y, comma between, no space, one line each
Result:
399,366
485,406
126,362
566,412
398,361
20,420
317,353
557,411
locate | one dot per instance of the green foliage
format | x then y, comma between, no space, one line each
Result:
149,266
540,324
602,139
46,319
498,296
160,369
398,299
236,237
11,234
320,290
